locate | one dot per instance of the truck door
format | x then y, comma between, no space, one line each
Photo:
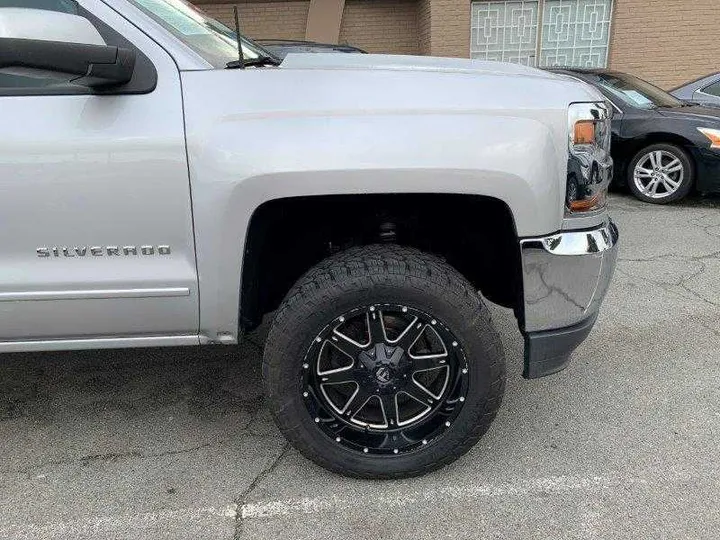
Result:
96,238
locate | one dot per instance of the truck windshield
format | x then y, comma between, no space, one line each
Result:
211,39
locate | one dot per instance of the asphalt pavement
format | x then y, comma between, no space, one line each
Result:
178,443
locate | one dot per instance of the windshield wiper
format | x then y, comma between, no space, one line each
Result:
259,61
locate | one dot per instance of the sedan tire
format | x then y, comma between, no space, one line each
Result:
661,174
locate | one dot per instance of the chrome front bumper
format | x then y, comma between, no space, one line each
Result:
565,277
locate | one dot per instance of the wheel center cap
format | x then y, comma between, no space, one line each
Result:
383,374
386,366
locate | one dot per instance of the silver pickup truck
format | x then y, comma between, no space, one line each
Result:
161,185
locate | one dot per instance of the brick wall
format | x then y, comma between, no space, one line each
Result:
666,42
423,22
450,28
381,26
278,20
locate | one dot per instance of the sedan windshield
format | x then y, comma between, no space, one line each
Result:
635,92
211,39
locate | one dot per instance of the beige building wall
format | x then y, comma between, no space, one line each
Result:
381,26
449,28
666,42
270,20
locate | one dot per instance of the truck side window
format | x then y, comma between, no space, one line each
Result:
14,83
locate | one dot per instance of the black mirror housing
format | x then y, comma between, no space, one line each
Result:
94,66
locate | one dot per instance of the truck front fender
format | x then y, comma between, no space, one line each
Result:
238,161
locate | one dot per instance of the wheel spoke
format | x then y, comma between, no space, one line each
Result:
345,345
652,186
658,158
670,184
411,333
653,159
376,327
419,393
642,172
674,166
338,376
430,361
389,409
357,401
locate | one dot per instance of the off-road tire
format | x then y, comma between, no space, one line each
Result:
378,274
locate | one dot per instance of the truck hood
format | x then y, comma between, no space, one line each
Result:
407,63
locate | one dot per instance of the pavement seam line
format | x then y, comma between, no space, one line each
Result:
243,496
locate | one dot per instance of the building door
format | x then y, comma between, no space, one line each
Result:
571,33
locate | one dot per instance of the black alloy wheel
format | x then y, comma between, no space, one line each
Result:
384,379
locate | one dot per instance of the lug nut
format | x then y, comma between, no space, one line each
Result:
462,398
341,319
454,343
464,370
317,420
337,439
395,451
433,321
318,339
365,450
404,310
305,394
424,441
372,308
305,366
447,424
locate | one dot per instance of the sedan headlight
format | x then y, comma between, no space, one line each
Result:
589,161
713,135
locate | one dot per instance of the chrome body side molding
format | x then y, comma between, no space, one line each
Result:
94,294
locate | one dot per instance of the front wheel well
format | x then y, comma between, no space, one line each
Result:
287,237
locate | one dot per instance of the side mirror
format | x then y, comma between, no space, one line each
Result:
66,47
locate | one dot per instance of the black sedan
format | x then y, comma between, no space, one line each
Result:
662,147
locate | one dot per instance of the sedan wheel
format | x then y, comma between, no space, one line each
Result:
660,174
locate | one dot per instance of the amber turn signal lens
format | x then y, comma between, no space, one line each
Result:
584,132
584,205
713,135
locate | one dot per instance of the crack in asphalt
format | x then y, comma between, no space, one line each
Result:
669,287
242,498
111,457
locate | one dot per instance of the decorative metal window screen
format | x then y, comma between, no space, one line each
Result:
572,32
575,33
505,31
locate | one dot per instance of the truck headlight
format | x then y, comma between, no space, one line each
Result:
713,135
589,162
